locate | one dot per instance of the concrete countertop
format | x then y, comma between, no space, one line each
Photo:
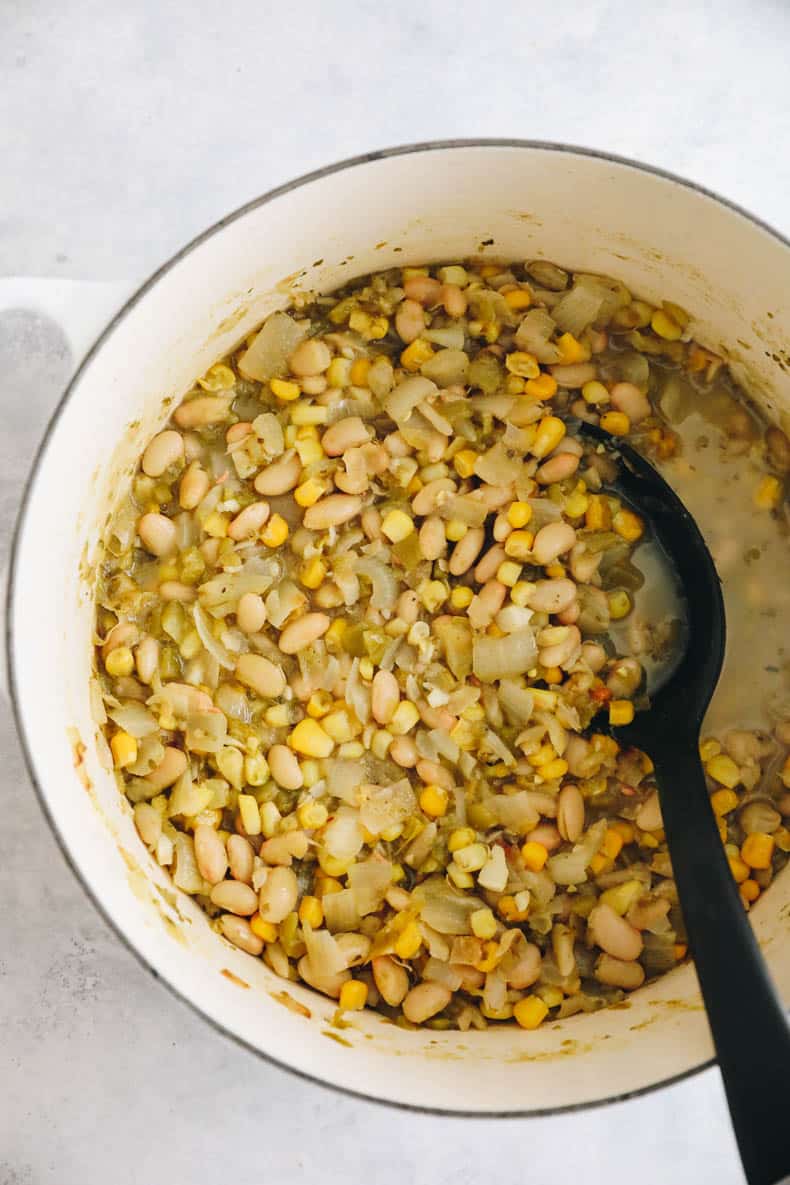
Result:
126,129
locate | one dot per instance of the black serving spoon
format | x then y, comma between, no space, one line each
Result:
747,1020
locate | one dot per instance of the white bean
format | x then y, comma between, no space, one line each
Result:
194,486
210,854
424,1001
168,771
628,398
433,493
164,450
174,590
527,970
278,895
146,658
489,564
552,596
343,435
433,541
303,632
248,521
570,812
648,817
285,768
279,477
552,541
311,357
157,534
241,859
564,651
385,696
251,613
466,551
261,675
409,320
391,980
238,931
235,897
200,412
332,511
619,973
613,934
557,468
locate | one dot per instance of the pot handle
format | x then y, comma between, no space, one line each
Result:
81,308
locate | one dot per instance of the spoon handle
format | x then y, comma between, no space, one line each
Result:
747,1021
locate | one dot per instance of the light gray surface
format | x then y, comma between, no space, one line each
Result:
124,130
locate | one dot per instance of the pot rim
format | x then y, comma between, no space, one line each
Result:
33,475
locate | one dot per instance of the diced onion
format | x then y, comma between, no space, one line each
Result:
268,355
502,658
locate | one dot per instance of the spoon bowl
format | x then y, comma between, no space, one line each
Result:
747,1021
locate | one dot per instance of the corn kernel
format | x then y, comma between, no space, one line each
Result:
359,372
625,829
595,393
311,911
312,573
339,372
599,514
508,573
461,879
455,530
542,387
534,855
266,931
119,663
518,298
461,597
619,604
409,941
490,957
628,526
370,328
723,801
309,738
518,546
454,274
432,593
768,493
309,414
311,772
397,525
351,751
600,863
723,770
782,838
404,718
576,504
416,354
750,890
665,326
326,885
460,838
472,857
616,423
708,749
256,769
310,451
621,897
339,726
571,350
250,814
531,1011
542,756
612,843
124,749
434,801
285,390
464,462
521,593
739,869
552,674
275,533
311,814
522,364
519,514
757,850
217,378
483,923
553,770
382,739
550,432
353,995
621,711
270,818
366,669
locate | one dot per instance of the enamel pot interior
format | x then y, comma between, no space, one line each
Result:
437,202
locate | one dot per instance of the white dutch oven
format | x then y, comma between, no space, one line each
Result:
664,238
